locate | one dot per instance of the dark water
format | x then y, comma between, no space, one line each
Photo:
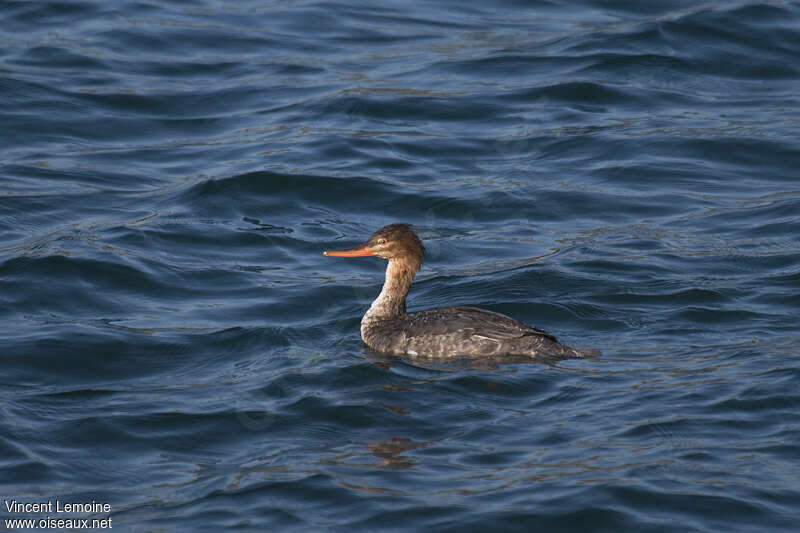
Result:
624,175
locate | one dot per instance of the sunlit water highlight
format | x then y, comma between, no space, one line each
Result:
175,344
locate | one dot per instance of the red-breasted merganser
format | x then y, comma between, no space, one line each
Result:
444,332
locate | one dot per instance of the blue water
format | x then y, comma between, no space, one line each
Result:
623,175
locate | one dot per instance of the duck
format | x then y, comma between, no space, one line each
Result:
460,331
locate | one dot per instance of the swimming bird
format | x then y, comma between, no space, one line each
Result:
449,331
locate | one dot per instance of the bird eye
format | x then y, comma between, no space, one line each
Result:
381,241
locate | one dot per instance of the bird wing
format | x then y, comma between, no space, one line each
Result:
476,322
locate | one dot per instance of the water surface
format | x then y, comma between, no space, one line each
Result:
175,344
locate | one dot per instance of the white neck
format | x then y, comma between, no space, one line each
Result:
391,302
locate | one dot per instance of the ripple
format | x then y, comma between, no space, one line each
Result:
622,175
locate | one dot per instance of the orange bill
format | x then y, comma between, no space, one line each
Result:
358,251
